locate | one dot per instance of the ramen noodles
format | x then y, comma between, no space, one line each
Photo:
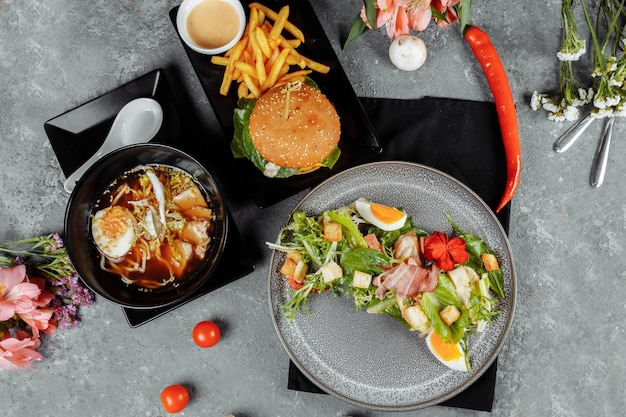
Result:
152,226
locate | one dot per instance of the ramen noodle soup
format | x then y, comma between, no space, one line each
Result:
152,227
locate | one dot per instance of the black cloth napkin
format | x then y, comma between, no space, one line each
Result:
461,138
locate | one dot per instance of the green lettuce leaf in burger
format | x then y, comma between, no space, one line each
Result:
290,130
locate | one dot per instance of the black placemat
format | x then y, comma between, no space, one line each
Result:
461,138
78,133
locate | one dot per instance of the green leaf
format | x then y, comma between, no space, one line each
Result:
358,25
356,29
463,10
437,14
387,306
370,12
370,261
431,307
378,306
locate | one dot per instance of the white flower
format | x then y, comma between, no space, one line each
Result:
550,106
585,95
612,101
604,113
570,113
556,116
621,110
536,101
563,55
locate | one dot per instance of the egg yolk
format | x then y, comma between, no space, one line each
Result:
386,214
446,351
116,222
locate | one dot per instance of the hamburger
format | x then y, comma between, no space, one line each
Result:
290,130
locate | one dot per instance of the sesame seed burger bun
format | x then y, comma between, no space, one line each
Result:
303,139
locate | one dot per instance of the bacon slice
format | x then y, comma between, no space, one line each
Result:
372,242
407,278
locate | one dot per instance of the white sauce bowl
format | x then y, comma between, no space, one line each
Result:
181,22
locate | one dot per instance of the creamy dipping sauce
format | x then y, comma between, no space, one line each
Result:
212,23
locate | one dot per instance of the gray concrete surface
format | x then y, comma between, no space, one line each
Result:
563,356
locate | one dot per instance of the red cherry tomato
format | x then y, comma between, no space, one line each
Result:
206,334
174,398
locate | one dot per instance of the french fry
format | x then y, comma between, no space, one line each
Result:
293,76
242,90
294,43
246,68
276,68
296,60
261,19
253,21
316,66
289,27
251,85
263,57
257,54
279,22
262,42
272,60
228,74
219,60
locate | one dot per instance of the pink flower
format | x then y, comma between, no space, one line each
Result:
400,16
419,14
27,298
17,295
18,352
39,319
446,7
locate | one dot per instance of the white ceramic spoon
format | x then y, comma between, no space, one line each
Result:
137,122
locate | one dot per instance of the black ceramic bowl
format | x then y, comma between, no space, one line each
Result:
82,250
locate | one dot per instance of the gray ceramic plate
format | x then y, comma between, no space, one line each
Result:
371,360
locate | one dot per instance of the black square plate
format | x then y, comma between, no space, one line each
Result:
76,134
358,142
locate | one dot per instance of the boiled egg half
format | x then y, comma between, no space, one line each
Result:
384,217
450,354
114,230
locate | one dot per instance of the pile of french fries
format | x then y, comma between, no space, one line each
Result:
263,58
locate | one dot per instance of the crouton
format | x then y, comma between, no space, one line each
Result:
361,279
331,271
490,261
289,268
450,314
332,232
415,316
294,255
300,273
294,267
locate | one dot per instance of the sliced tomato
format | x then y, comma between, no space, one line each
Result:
294,284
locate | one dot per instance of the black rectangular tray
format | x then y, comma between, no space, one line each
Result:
78,133
359,142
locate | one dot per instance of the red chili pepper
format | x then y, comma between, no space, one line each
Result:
488,58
